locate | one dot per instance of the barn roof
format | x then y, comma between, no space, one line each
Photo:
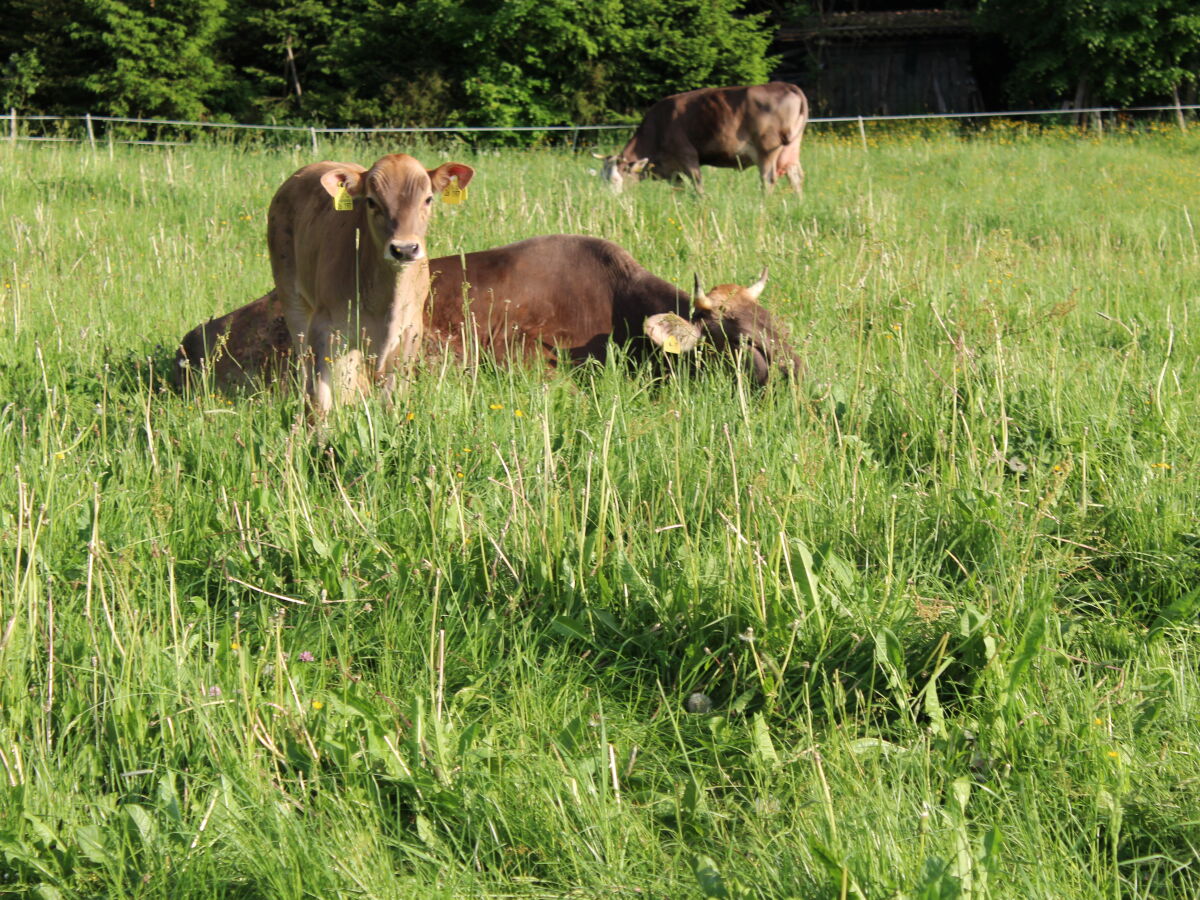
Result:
847,26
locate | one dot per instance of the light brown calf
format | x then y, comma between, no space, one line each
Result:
354,279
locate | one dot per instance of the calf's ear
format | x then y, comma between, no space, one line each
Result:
335,179
673,333
440,177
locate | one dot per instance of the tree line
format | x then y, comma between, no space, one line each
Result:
373,62
514,62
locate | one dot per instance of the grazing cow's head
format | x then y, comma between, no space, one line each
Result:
398,192
731,317
617,171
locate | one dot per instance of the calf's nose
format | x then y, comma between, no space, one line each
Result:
405,250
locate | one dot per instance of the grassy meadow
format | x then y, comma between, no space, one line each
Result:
920,625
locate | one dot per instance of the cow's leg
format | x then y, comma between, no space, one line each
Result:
789,163
392,345
795,174
768,168
683,163
320,364
296,315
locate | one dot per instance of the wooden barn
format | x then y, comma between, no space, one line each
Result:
886,62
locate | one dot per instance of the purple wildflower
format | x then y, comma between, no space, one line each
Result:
214,691
306,657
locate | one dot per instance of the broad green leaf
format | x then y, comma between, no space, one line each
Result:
764,749
710,880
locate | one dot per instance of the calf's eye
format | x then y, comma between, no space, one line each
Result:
429,199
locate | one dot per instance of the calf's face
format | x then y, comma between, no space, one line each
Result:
398,193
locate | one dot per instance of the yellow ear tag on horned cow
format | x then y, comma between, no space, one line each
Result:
452,193
342,201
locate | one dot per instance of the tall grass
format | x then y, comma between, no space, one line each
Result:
921,625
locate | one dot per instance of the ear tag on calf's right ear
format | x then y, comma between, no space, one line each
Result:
342,201
670,344
452,193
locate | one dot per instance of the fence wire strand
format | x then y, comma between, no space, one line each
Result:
314,130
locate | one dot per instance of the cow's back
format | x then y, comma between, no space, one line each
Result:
246,348
537,297
312,245
722,126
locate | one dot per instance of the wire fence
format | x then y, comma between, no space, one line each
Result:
84,127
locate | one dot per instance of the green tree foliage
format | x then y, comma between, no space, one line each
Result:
509,62
161,53
282,56
47,48
1097,51
419,62
124,57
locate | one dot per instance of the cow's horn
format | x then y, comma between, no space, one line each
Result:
700,299
756,289
598,155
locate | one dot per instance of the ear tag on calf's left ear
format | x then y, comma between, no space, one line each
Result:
452,193
342,201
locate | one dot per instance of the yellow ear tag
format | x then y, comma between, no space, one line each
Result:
452,193
670,344
342,201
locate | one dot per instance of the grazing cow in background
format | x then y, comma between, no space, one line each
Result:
731,127
555,298
347,248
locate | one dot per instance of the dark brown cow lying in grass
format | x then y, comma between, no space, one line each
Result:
731,127
552,298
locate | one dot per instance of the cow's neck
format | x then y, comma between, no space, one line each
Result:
395,299
383,288
632,153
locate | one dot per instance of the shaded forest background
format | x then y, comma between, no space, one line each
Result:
516,62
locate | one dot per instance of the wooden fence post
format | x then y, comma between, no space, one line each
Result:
312,133
862,132
12,118
91,134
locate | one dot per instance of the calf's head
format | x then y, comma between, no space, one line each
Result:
731,318
398,193
617,170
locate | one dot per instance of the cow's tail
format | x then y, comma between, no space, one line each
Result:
793,133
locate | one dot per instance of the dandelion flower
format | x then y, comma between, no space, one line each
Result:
496,406
517,412
318,705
